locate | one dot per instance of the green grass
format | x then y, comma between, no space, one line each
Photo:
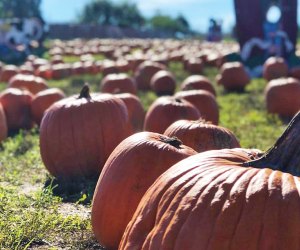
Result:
37,212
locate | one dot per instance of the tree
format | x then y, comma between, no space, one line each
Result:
169,24
20,8
107,13
98,11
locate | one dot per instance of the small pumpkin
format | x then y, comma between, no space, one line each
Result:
224,199
43,100
145,71
233,76
195,82
16,104
118,83
163,83
194,66
165,110
275,67
204,101
77,134
7,72
136,112
282,96
128,173
201,135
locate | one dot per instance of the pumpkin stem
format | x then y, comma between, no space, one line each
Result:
285,154
85,92
173,141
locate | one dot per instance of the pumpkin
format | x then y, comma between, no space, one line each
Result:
165,110
7,72
77,134
44,71
204,101
275,67
194,82
16,104
109,67
118,83
128,173
295,72
163,83
233,76
282,96
3,124
77,68
224,199
33,84
201,135
136,112
145,71
194,66
43,100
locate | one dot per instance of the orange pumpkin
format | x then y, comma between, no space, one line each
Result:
275,67
128,173
33,84
282,96
224,199
118,83
204,101
43,100
16,104
7,72
194,66
163,83
136,112
145,71
195,82
201,135
166,110
77,134
233,76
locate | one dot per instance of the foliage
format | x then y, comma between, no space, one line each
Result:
127,14
164,22
20,8
105,12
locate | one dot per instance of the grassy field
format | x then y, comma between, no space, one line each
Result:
36,212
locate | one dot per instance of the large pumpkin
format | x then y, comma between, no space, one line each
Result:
202,136
33,84
77,134
166,110
43,100
16,104
129,171
204,101
224,199
283,96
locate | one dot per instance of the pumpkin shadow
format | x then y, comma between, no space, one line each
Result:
80,190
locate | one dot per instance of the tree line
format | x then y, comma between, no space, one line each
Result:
105,12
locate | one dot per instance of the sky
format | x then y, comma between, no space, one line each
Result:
197,12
